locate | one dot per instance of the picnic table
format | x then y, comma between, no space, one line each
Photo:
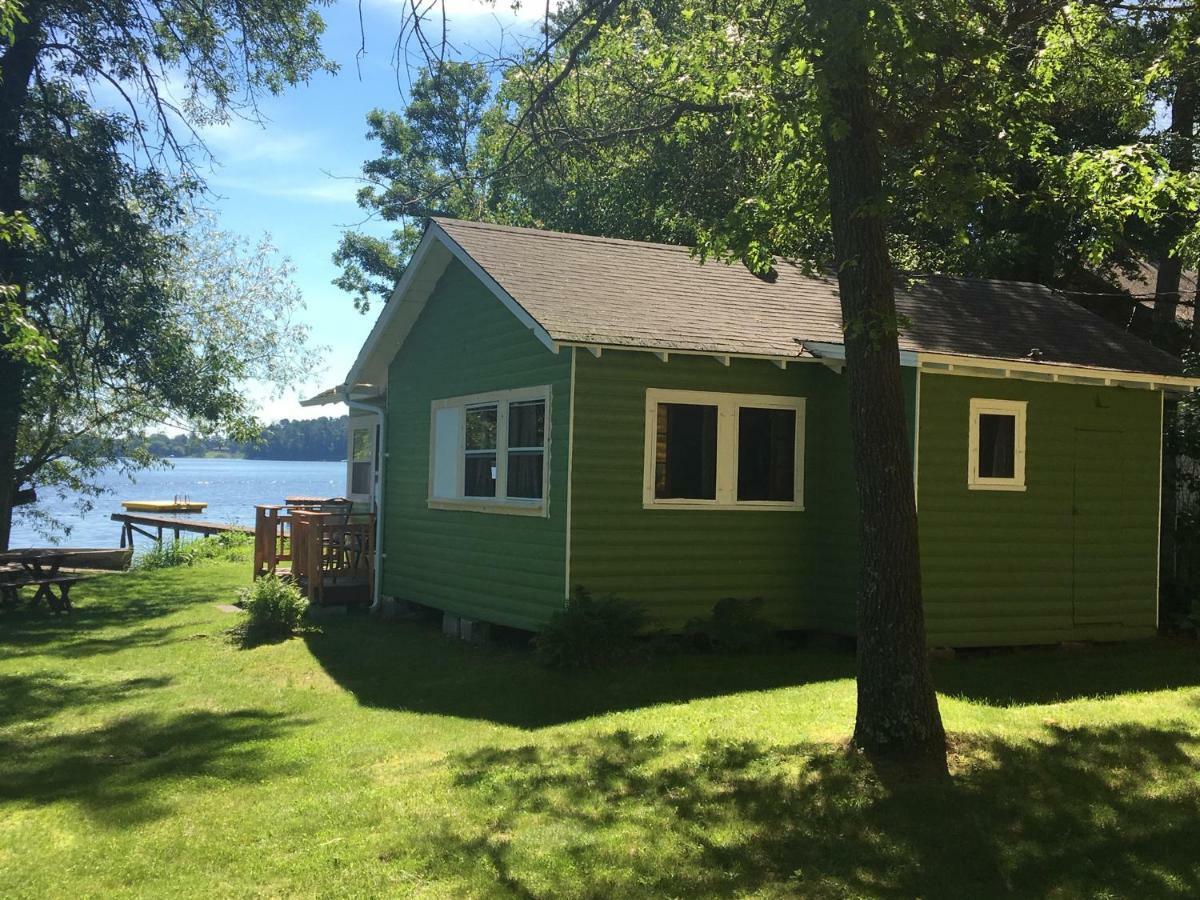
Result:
39,569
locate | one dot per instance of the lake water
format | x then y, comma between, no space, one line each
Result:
231,487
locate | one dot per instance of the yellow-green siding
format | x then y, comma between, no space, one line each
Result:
498,568
1075,555
679,562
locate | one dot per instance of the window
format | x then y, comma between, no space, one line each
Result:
996,445
488,452
723,451
361,462
685,452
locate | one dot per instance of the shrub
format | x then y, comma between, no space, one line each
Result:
735,626
230,546
274,609
590,632
163,555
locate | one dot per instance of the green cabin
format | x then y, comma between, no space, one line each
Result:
535,411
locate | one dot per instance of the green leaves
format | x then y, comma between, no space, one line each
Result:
429,165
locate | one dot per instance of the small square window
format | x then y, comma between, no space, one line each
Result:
997,445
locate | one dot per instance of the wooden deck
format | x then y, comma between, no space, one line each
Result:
329,554
154,527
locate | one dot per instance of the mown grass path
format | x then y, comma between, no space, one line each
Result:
142,754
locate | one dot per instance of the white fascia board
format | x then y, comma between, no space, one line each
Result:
492,285
361,394
326,397
664,355
952,364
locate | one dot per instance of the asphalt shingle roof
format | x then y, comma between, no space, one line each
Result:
620,293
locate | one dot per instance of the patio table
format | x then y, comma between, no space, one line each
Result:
40,569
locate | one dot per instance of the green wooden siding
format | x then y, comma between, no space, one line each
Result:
679,562
500,568
1073,557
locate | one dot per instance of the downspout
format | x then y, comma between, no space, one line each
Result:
381,457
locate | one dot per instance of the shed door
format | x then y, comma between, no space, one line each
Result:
1101,566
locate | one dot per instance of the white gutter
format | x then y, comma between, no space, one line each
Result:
381,458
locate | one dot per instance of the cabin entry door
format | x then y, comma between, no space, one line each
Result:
1099,564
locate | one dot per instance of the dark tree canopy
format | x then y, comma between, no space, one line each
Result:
92,202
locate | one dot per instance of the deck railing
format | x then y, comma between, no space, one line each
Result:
325,549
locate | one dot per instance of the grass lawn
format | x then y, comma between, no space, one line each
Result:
141,753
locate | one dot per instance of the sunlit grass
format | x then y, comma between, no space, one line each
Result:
143,753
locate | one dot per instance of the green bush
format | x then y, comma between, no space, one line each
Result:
274,609
230,546
590,632
735,626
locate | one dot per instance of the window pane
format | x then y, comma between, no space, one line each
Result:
525,474
685,456
360,477
361,445
527,424
479,475
766,454
481,427
997,445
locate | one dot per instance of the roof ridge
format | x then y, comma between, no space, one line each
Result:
976,279
560,235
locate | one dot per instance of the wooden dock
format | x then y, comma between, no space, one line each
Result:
154,527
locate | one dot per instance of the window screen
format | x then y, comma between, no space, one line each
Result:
526,448
766,454
479,471
685,457
997,445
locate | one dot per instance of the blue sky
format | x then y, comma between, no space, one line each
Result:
293,177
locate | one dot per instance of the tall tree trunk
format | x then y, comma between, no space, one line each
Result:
897,706
1182,157
16,69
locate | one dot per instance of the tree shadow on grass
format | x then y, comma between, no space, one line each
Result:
1078,813
410,666
27,698
1026,676
121,773
112,613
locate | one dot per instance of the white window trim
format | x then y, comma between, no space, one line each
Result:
727,449
370,430
1015,408
499,504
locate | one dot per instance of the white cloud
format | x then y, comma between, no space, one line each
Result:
321,190
241,140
